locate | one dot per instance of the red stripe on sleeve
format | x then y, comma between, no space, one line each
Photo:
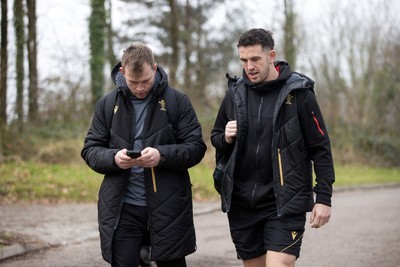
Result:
317,123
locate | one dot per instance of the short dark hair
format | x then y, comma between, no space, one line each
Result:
136,55
255,37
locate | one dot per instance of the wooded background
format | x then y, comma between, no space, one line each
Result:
352,52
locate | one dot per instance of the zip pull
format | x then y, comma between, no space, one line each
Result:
280,166
153,177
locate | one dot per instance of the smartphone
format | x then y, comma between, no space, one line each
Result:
133,154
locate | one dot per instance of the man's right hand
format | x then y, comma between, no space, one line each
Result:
123,161
230,132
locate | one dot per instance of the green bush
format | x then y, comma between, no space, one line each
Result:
62,152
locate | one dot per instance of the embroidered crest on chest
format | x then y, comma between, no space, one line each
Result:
289,99
162,105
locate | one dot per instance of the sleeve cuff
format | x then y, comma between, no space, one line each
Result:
324,199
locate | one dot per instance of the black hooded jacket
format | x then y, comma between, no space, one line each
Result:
181,146
280,131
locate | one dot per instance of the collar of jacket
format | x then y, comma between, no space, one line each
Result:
284,74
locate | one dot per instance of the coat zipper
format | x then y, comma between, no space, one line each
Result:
257,151
280,166
126,185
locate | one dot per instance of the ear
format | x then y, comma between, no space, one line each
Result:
122,71
155,67
271,56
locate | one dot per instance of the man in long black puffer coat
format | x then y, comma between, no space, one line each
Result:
144,198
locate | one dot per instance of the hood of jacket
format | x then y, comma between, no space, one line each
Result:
160,81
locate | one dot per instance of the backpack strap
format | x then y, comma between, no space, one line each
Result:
173,105
109,106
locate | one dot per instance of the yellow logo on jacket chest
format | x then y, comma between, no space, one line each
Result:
162,105
289,99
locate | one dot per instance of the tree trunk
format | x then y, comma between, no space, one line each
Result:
32,59
97,29
174,34
290,34
187,44
19,60
201,64
112,59
3,79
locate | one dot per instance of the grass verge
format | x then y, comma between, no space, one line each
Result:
364,175
50,183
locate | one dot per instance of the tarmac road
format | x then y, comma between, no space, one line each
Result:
364,231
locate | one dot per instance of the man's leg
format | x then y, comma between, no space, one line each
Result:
172,263
280,259
129,235
256,262
283,238
271,259
247,230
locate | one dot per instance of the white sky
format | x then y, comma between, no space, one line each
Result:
63,30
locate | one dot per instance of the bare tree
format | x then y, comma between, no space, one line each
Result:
357,84
97,27
19,27
112,59
199,48
180,28
289,29
187,43
3,79
33,90
173,30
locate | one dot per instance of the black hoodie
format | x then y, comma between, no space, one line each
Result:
256,162
281,139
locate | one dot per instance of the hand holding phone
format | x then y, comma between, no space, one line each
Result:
133,153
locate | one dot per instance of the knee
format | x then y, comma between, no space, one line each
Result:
280,259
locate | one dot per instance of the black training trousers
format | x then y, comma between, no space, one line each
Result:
130,235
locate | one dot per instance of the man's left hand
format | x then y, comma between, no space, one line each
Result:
320,215
150,158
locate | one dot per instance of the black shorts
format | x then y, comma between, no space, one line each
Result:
255,231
